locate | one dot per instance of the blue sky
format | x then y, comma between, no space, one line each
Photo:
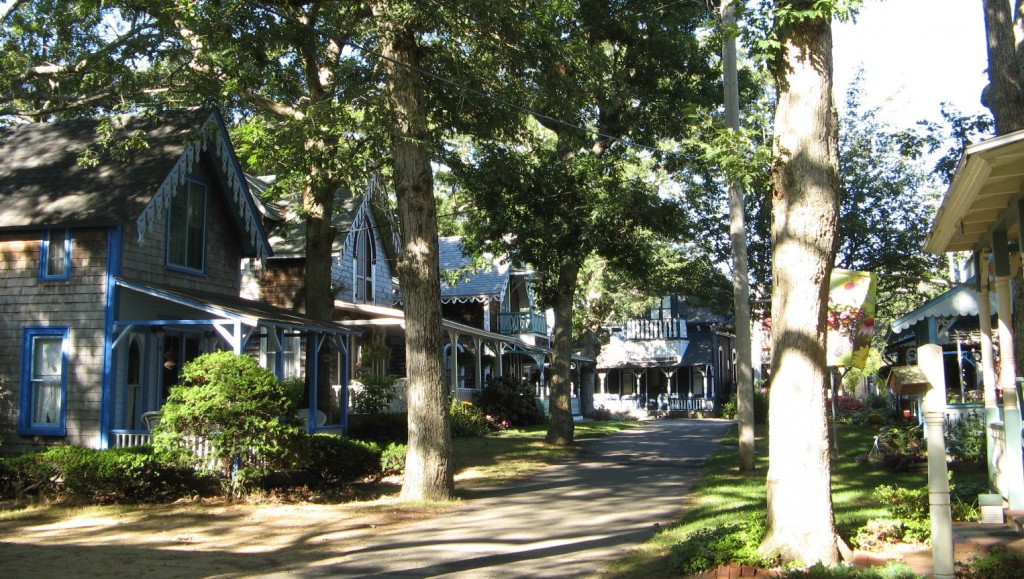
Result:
916,54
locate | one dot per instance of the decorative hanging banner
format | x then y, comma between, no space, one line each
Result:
851,317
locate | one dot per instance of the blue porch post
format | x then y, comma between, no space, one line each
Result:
107,389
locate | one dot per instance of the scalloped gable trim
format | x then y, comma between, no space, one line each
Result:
211,137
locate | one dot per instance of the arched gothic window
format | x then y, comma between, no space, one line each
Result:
362,262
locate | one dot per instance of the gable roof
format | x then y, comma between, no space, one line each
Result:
42,183
960,301
473,284
289,240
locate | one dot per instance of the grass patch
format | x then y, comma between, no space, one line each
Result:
725,497
519,452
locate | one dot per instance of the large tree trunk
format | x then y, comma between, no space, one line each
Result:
805,192
428,471
1004,95
560,423
318,206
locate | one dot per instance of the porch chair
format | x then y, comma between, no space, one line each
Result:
151,419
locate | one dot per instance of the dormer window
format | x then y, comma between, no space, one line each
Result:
362,263
56,255
186,227
662,311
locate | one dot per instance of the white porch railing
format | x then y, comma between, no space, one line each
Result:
466,395
200,447
126,439
630,404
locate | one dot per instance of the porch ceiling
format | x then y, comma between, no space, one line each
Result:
982,198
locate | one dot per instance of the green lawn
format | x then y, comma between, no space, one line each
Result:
518,452
725,496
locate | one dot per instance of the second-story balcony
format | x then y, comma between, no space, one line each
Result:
672,329
526,322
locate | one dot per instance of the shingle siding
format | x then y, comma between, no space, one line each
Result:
76,303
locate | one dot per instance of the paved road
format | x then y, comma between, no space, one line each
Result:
570,520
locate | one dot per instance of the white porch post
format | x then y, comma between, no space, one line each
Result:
478,379
453,359
602,377
930,360
1014,468
500,352
988,374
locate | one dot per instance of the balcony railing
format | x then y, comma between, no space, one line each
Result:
529,322
674,329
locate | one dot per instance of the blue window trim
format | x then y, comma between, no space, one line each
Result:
189,180
44,257
25,426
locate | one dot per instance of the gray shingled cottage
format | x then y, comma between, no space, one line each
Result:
120,264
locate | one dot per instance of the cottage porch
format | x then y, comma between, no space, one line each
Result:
982,213
148,351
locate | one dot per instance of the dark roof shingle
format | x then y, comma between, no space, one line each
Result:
42,183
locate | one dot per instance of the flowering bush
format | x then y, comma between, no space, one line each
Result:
496,424
510,401
849,405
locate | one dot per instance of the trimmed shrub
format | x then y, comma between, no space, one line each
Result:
377,393
467,421
392,460
508,400
119,475
243,412
730,408
334,458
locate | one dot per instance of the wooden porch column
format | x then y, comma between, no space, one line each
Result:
602,377
478,379
453,351
499,370
1014,465
988,374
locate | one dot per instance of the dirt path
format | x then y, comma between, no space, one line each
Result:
190,540
569,520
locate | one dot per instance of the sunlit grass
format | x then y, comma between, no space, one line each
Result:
725,496
519,452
